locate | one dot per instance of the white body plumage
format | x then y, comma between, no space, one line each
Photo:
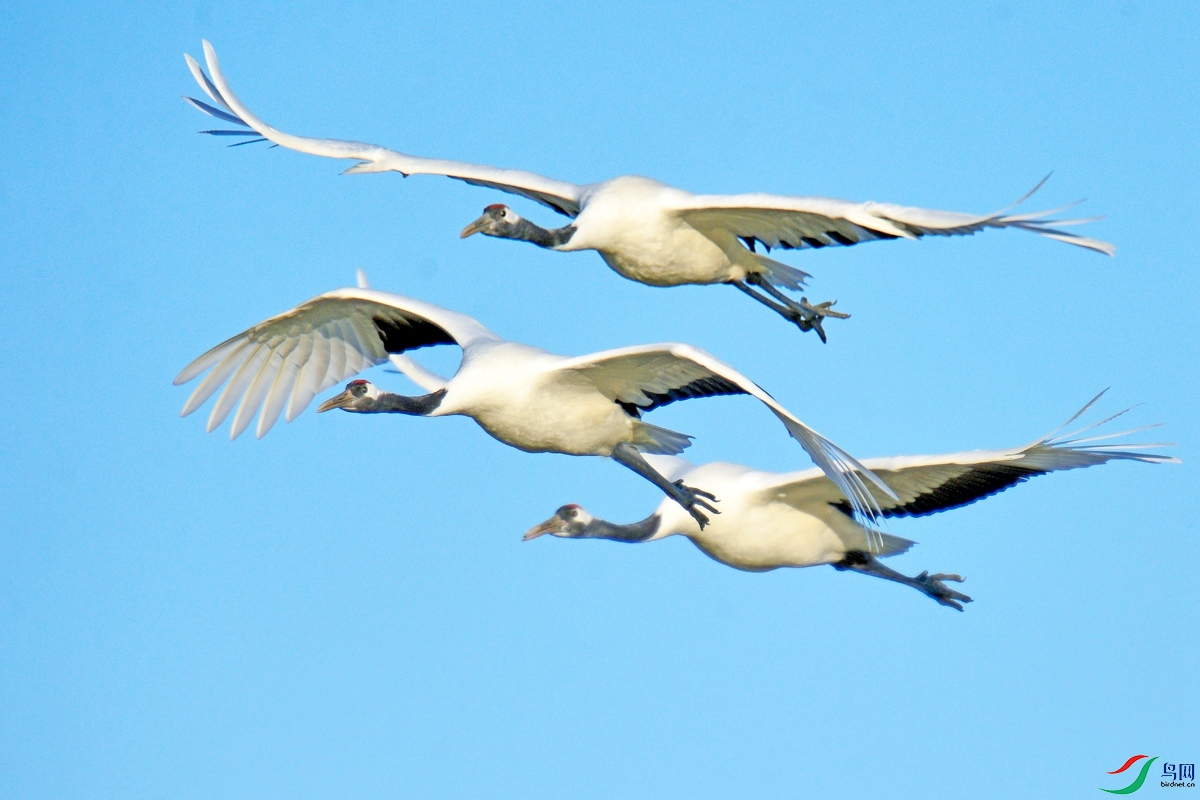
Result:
630,222
757,533
517,394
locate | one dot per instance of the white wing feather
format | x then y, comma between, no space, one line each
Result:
630,374
288,359
558,195
803,222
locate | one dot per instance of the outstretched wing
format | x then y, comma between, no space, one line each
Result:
813,222
928,484
289,358
651,376
561,196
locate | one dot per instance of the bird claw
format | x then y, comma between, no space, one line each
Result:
932,586
823,309
690,498
695,491
808,317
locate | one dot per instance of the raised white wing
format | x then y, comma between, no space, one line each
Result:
561,196
800,222
927,484
646,377
289,358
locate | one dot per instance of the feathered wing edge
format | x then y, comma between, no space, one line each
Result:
853,223
945,223
1087,450
286,360
1050,453
560,196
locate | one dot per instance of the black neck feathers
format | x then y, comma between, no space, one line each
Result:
388,403
550,239
636,532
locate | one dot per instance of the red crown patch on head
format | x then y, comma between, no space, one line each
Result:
574,505
495,207
358,382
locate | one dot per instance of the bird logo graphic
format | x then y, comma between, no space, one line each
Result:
1138,781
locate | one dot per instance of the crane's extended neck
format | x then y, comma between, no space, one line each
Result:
550,239
390,403
634,532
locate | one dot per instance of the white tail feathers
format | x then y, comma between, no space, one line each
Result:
875,542
659,441
782,275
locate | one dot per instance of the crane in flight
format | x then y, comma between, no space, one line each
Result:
650,232
801,519
523,396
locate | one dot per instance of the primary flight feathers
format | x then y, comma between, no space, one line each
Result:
925,485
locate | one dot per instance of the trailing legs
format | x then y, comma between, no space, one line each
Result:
807,316
628,455
930,585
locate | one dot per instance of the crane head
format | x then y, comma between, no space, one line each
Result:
359,395
497,220
568,522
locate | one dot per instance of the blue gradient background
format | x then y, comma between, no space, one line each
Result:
345,609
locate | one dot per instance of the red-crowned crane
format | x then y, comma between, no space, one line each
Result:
650,232
800,519
525,397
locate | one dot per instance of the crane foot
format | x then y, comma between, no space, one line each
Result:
932,586
808,317
926,584
690,498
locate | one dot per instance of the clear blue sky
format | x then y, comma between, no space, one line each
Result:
345,608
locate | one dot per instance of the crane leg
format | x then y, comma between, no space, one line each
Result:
805,315
930,585
628,455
